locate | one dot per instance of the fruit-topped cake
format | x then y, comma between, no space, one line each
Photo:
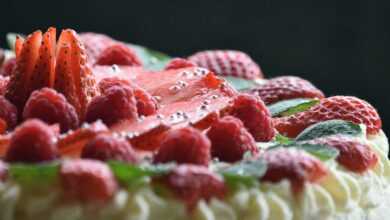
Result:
95,128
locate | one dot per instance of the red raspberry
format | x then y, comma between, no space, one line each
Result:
3,171
192,183
51,107
354,155
255,116
295,165
146,105
118,103
33,141
286,87
87,180
8,112
346,108
230,140
106,147
185,145
95,44
119,54
227,63
8,67
3,84
178,63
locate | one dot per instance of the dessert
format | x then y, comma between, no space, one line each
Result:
94,128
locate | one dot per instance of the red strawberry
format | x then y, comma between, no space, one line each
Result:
95,44
119,54
87,180
286,87
118,103
33,141
8,67
354,155
8,112
178,63
255,116
192,183
230,140
106,147
185,145
227,63
18,45
3,171
295,165
51,107
346,108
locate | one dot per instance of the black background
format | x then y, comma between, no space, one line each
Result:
341,46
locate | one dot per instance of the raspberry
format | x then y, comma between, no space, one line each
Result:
178,63
106,147
146,105
33,141
8,112
192,183
95,44
230,140
87,180
255,116
354,155
295,165
227,63
346,108
286,87
118,103
119,54
8,67
185,145
51,107
3,84
3,171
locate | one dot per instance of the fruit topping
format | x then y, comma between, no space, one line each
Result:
230,140
8,112
87,180
95,44
8,67
346,108
51,107
255,116
184,146
178,63
33,141
3,84
227,63
119,54
106,147
286,87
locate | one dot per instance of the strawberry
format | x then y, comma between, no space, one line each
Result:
95,44
185,145
192,183
295,165
230,140
119,54
227,63
8,67
178,63
87,180
346,108
286,87
354,155
8,113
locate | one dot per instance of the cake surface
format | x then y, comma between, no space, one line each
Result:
93,128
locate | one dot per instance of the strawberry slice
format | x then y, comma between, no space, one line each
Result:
18,45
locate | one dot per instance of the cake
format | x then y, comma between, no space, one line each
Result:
95,128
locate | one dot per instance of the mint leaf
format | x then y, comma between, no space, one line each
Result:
282,139
292,106
246,172
327,128
34,174
151,59
322,152
240,83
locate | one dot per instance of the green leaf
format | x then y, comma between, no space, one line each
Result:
292,106
246,172
282,139
327,128
322,152
240,83
34,174
151,59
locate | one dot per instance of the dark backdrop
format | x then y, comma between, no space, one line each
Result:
341,46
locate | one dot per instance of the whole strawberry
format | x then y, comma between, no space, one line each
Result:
354,155
230,140
294,165
178,63
227,63
87,180
106,147
346,108
255,116
184,145
8,112
51,107
119,54
33,141
286,87
192,183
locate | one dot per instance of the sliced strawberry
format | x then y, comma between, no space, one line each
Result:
18,45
